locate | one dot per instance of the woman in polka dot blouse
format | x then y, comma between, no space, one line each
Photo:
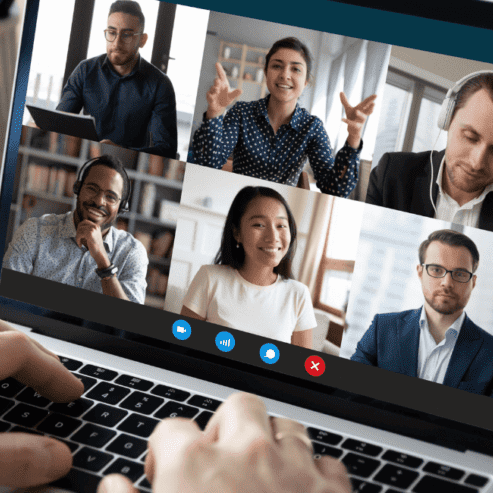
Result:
272,137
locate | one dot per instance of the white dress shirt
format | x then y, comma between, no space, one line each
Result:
449,210
433,358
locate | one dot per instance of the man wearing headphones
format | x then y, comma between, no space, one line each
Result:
452,185
83,248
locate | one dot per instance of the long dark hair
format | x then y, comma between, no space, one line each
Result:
229,254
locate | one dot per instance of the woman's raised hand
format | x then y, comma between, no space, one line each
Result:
356,117
220,95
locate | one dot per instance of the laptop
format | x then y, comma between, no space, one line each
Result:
143,362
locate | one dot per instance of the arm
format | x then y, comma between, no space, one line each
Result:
335,177
215,140
303,338
25,459
374,194
21,252
366,350
189,313
162,125
72,100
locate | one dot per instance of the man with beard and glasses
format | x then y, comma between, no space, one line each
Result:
82,248
437,342
132,101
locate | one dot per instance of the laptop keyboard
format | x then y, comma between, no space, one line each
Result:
108,427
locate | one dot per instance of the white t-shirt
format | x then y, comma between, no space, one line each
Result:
222,296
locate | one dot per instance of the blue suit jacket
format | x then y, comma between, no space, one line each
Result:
392,343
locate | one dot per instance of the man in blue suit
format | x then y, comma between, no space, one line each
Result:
437,342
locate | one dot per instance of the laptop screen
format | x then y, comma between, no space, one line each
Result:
251,203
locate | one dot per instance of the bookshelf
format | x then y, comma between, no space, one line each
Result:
47,167
244,66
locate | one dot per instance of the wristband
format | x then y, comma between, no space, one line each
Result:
106,273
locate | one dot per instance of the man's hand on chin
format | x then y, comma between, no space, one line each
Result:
89,235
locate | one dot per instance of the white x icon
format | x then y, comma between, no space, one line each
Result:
314,365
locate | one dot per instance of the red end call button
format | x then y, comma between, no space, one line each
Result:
315,366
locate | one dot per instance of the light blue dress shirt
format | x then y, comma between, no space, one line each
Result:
45,247
433,358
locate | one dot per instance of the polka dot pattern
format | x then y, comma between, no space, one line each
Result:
280,157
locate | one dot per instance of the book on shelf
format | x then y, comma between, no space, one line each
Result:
156,282
162,244
145,239
169,211
148,200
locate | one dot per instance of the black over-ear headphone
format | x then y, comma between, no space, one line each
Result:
124,202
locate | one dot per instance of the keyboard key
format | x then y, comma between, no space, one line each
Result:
5,404
10,387
203,418
108,393
170,393
139,425
21,429
204,402
362,447
4,426
402,459
429,484
59,425
98,372
475,480
360,465
105,415
87,381
75,408
92,460
174,409
399,477
25,415
79,481
93,435
70,364
134,382
132,470
128,446
142,403
30,396
362,486
324,436
320,449
444,471
145,484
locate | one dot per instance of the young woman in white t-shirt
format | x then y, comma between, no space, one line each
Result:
250,287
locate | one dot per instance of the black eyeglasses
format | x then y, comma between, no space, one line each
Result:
111,35
94,191
459,275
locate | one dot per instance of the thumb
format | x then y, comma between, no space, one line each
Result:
234,94
30,460
115,483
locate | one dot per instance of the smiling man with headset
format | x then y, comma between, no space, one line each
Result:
82,248
454,184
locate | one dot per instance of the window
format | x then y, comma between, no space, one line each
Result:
337,262
408,121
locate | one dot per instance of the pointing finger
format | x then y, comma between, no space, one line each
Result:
345,102
221,73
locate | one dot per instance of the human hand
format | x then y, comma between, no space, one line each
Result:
108,141
89,235
238,452
27,459
356,117
220,95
